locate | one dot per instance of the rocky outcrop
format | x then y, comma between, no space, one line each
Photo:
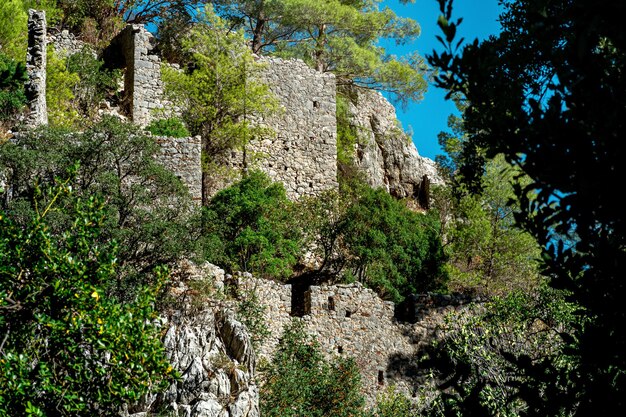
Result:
385,154
212,352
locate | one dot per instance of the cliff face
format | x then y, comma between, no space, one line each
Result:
212,352
386,155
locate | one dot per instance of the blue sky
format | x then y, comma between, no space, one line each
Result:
429,117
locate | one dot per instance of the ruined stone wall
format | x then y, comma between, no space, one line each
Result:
352,321
182,156
66,44
303,153
36,68
143,86
276,298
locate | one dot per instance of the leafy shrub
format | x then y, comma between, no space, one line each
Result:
367,235
60,98
172,127
248,227
69,347
251,312
12,96
95,83
149,211
480,360
300,382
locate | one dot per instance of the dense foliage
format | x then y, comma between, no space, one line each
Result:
12,96
483,349
335,35
70,348
171,127
300,382
248,228
487,252
148,209
365,234
549,94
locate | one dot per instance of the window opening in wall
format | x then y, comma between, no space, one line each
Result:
340,349
381,378
348,313
331,304
316,104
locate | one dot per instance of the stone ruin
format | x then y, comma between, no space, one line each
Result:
36,68
353,321
303,153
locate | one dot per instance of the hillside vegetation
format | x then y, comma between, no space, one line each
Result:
91,222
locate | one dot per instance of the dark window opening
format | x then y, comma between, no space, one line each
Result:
310,185
348,313
381,378
316,104
331,304
340,349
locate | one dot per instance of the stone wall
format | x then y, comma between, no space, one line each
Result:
66,44
183,157
385,154
352,321
133,49
303,153
36,69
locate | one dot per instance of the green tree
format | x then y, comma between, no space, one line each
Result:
487,252
548,93
249,226
300,382
481,349
60,98
99,20
68,347
340,36
149,212
13,29
219,91
365,234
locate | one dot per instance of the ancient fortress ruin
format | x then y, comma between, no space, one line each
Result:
346,319
303,153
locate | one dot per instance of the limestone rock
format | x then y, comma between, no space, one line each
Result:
213,354
386,155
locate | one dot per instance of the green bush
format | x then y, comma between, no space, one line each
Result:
149,211
248,228
300,382
95,83
69,347
12,96
365,234
172,127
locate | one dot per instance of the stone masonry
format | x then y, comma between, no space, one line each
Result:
303,153
66,44
353,321
143,87
183,156
36,68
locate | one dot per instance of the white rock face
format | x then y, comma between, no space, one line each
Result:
213,354
386,155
